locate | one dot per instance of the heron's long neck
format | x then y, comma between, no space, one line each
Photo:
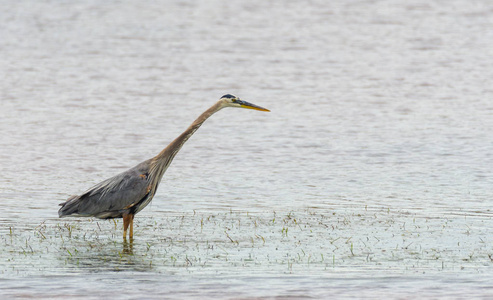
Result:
161,161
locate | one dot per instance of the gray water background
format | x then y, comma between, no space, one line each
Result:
381,129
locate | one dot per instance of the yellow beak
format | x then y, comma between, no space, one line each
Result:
249,105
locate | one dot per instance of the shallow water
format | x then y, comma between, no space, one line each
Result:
371,176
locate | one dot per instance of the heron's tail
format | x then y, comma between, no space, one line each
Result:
69,207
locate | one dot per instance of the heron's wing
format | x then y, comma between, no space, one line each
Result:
110,196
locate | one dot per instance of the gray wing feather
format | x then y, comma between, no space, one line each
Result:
112,196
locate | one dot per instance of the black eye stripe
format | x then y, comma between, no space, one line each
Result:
228,96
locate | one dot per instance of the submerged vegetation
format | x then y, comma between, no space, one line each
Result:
235,241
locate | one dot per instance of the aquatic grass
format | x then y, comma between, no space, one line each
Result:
269,241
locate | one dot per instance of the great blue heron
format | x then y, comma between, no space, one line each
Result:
127,193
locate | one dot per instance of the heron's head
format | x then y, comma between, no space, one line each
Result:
229,100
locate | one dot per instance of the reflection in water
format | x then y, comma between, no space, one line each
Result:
111,259
128,247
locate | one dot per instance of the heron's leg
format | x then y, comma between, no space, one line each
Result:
131,226
126,222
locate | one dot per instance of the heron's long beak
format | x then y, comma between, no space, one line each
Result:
249,105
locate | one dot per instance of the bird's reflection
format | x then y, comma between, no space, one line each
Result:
128,246
112,256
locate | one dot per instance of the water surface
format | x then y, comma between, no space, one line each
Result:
371,176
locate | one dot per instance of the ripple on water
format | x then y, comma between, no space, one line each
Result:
371,176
